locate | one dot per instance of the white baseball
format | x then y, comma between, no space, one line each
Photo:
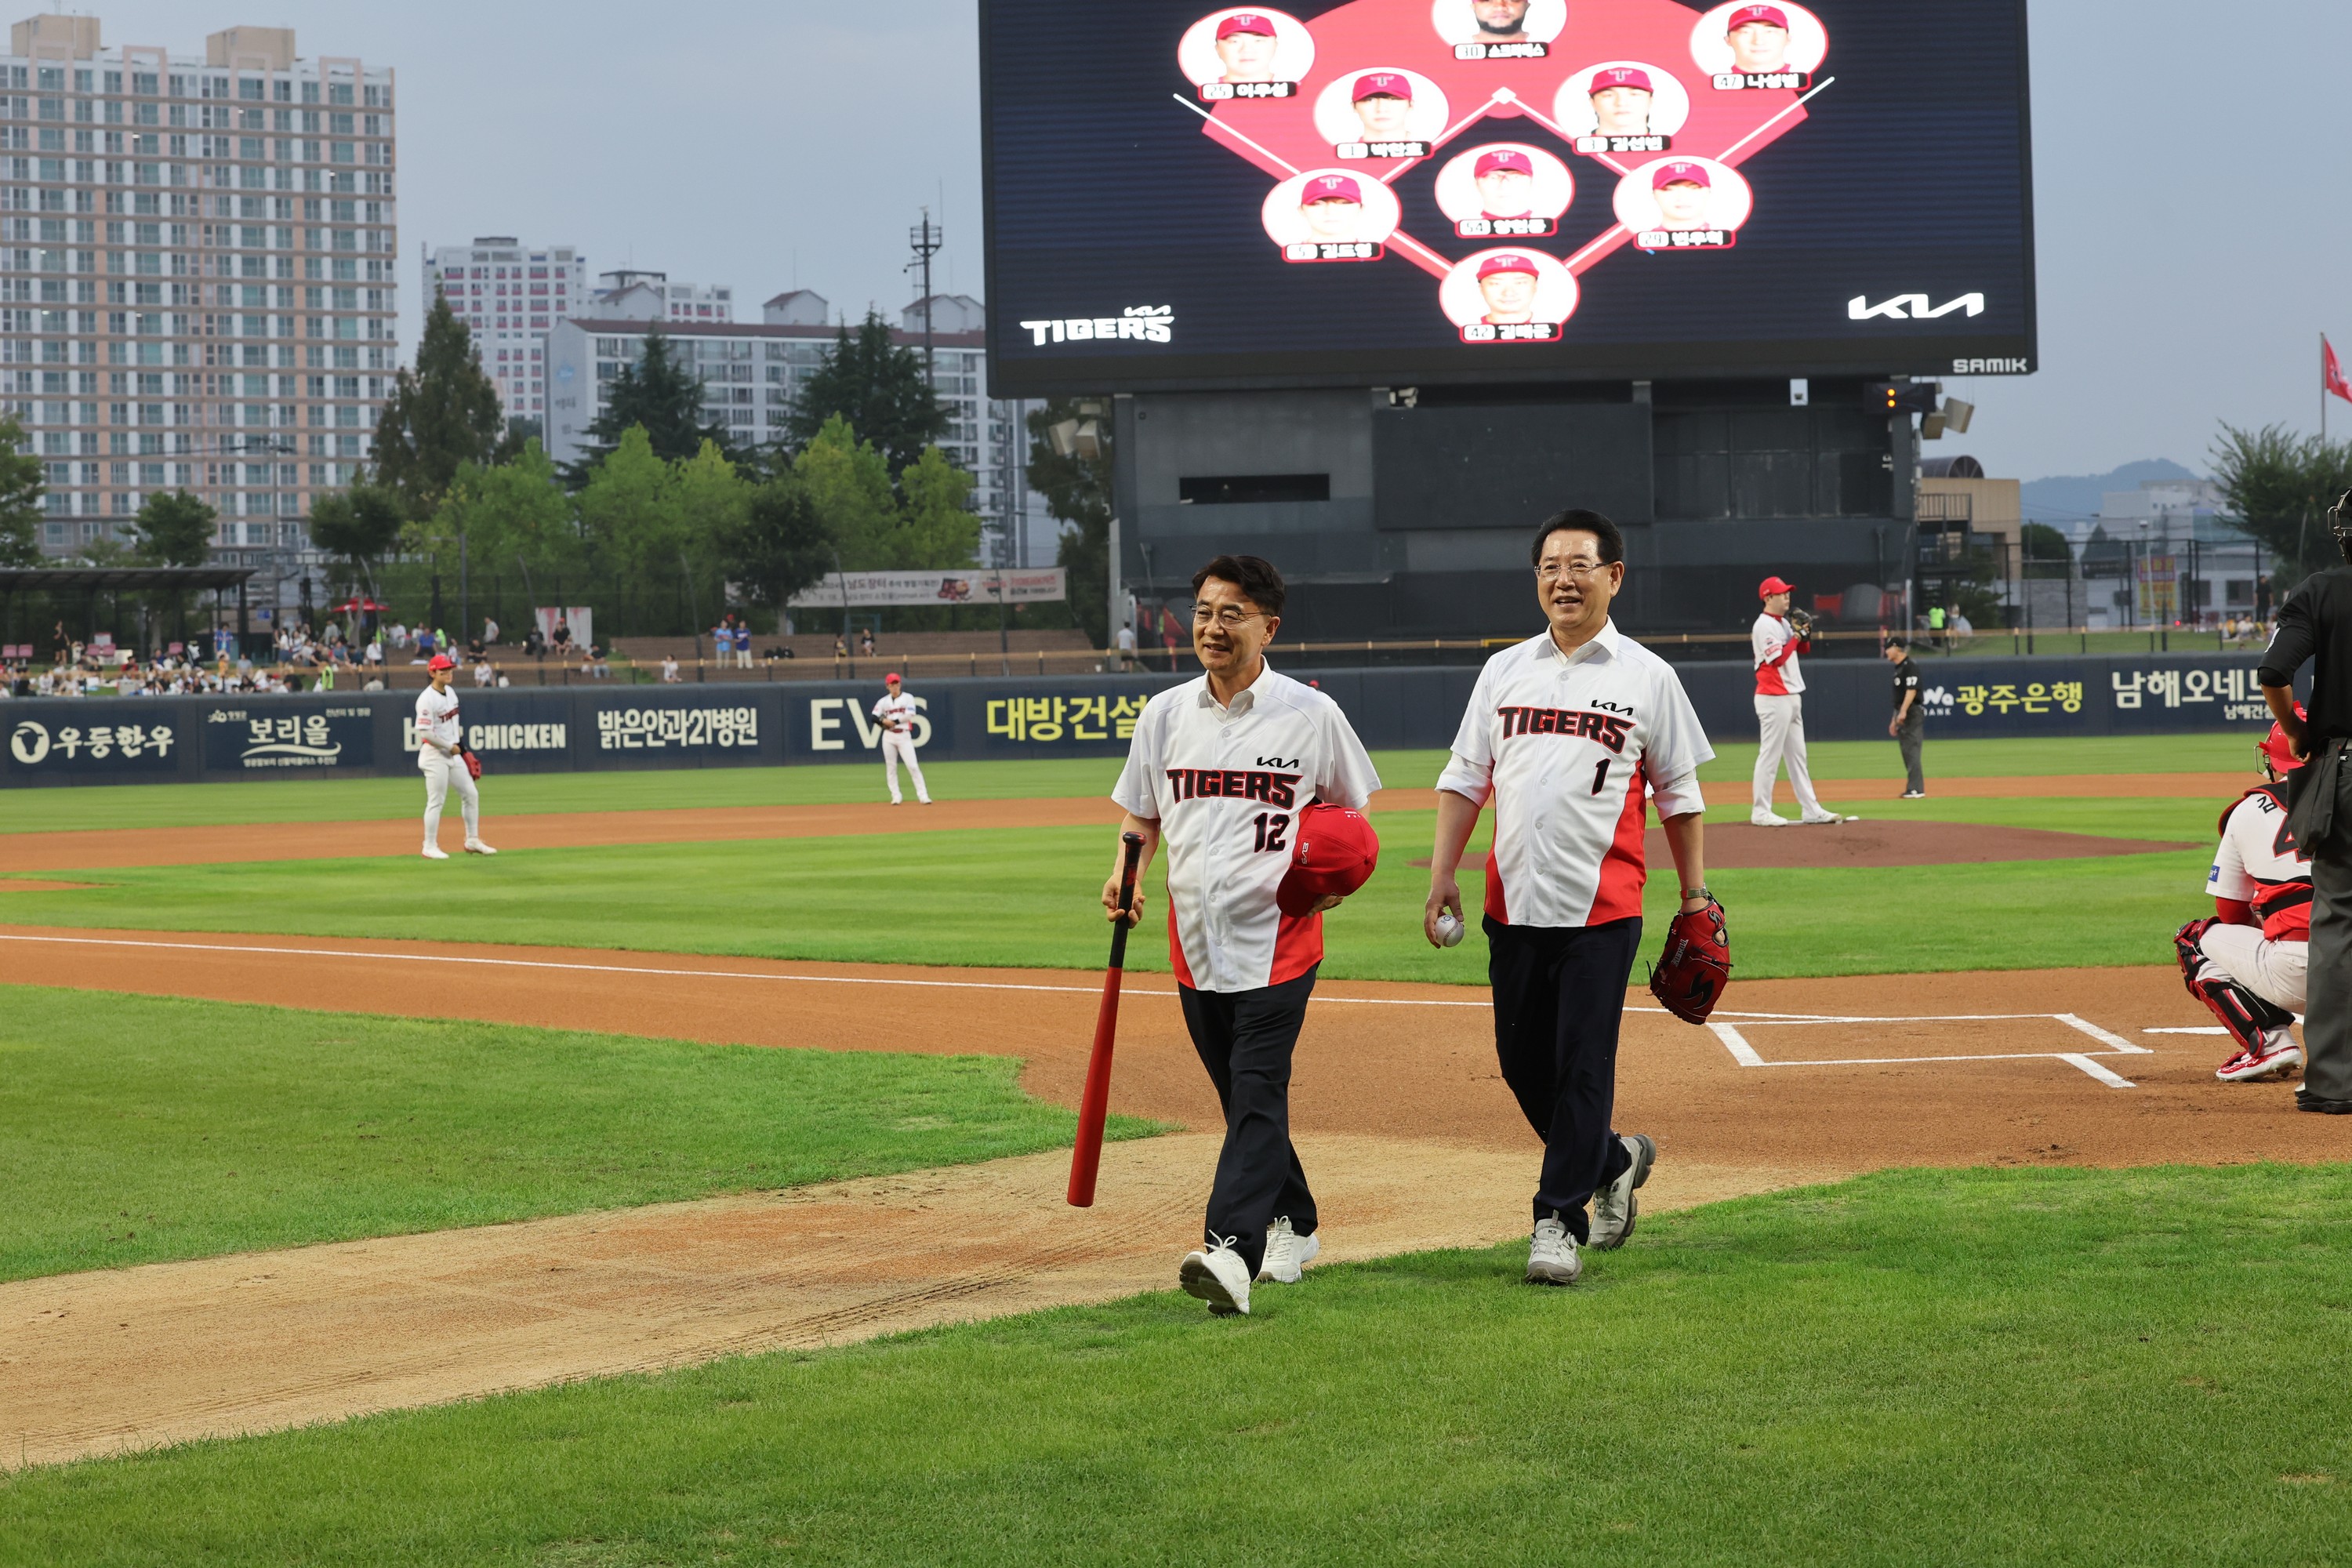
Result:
1449,929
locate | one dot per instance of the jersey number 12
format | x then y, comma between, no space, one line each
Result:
1270,829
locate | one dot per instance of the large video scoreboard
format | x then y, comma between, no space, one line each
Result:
1391,191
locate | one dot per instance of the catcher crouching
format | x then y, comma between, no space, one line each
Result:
1572,735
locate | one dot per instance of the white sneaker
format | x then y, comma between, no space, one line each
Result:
475,846
1913,794
1767,819
1218,1276
434,852
1613,1206
1286,1253
1824,818
1551,1255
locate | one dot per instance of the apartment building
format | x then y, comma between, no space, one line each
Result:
510,295
632,295
196,258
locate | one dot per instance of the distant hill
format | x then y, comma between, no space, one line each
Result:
2068,495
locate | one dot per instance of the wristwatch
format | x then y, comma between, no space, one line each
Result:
1698,892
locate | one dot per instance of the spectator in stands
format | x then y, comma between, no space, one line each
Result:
598,666
669,670
483,674
489,631
866,642
1126,642
533,645
742,646
561,641
840,649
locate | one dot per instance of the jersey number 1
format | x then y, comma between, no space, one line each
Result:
1270,829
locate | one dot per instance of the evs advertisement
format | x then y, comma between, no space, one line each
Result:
1384,191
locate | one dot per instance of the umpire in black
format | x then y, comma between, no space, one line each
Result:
2315,623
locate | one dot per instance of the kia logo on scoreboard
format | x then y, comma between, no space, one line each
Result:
1138,323
1911,308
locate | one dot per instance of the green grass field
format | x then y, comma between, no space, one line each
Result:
2073,1367
134,1129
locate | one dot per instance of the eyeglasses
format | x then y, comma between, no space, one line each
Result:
1229,617
1552,570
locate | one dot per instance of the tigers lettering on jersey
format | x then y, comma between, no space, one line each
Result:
1235,783
1580,724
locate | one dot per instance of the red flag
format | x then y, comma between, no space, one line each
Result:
2331,374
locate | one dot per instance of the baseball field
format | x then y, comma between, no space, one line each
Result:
684,1184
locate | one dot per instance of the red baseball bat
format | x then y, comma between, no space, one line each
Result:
1094,1107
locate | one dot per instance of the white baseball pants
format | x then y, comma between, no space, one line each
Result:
1782,723
440,773
898,748
2274,970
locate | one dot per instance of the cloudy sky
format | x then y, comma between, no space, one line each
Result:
2190,169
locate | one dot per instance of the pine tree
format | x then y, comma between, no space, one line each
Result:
659,394
441,415
879,388
21,489
175,529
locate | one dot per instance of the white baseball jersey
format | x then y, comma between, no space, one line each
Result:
2258,864
436,718
1569,746
1775,642
1226,786
900,707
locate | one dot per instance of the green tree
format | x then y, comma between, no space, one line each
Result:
175,529
2279,486
627,515
937,526
2044,550
779,545
510,511
877,388
441,416
848,482
1078,490
659,395
21,491
361,524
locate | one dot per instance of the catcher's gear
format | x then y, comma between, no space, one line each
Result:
2279,752
1801,623
2247,1016
472,759
1696,965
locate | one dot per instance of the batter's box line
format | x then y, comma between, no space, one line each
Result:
1746,1056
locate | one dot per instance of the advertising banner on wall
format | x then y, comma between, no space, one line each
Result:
259,737
94,741
726,725
966,586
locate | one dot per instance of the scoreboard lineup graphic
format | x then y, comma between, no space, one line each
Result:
1467,184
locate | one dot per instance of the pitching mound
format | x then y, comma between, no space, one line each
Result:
1884,843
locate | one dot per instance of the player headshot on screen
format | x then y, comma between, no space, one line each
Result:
1758,36
1245,46
1383,103
1500,21
1681,190
1333,208
1507,183
1507,283
1621,102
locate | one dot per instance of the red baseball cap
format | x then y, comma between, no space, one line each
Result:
891,679
1333,852
1331,188
441,661
1506,261
1382,84
1620,76
1681,171
2279,749
1772,585
1245,22
1509,158
1770,15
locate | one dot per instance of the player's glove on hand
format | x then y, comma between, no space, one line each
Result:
1801,623
1690,974
473,761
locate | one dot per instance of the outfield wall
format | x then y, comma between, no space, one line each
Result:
588,728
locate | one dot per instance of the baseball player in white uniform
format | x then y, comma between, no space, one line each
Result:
1780,710
894,711
1572,735
441,758
2250,960
1219,769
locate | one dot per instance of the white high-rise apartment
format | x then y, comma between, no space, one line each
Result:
632,295
195,273
512,296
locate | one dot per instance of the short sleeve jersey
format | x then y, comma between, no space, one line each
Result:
1570,747
2258,864
436,716
902,708
1226,786
1775,646
1906,679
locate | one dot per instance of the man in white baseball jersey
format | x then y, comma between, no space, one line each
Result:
1571,734
894,711
1780,710
2250,962
441,758
1221,768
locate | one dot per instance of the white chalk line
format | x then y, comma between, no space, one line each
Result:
1746,1056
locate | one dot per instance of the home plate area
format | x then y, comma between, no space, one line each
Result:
1833,1041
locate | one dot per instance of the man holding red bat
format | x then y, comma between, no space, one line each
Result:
1256,784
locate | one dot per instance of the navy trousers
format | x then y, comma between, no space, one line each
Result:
1245,1040
1559,996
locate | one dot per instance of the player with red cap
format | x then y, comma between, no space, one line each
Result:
2249,962
1506,183
1681,188
1758,36
1621,96
1245,46
1384,101
897,714
441,758
1255,784
1332,206
1507,281
1777,639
